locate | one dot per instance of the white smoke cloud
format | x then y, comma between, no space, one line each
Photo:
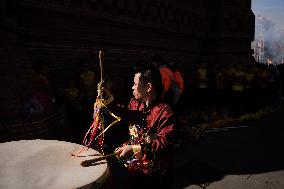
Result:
273,38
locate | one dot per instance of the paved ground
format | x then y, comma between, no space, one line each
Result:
246,157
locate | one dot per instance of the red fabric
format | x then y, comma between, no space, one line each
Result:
179,79
158,121
159,125
166,74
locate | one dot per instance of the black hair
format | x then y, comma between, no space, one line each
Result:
149,74
157,60
139,66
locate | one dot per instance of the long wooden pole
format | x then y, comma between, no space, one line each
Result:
101,56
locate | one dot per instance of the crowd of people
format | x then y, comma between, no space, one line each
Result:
238,88
235,87
231,87
42,98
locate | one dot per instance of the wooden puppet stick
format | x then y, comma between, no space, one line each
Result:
87,163
101,56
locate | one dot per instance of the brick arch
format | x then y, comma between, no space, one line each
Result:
170,14
142,8
179,17
154,11
162,12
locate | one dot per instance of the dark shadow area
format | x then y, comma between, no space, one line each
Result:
196,173
93,164
251,150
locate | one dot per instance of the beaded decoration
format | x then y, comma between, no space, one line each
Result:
97,128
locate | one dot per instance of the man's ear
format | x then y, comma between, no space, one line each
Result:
149,87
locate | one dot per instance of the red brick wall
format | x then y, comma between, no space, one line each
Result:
64,31
16,76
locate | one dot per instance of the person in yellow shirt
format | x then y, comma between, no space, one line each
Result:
87,81
87,92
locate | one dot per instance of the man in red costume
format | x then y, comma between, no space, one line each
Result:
147,153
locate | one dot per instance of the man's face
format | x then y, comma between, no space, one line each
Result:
139,88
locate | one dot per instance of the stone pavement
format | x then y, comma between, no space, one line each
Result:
249,156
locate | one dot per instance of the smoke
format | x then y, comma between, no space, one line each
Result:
273,41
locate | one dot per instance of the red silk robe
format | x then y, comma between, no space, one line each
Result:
153,129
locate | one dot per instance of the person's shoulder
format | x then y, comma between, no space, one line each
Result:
164,107
166,70
177,75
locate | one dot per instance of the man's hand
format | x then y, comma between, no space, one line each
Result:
128,150
104,89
